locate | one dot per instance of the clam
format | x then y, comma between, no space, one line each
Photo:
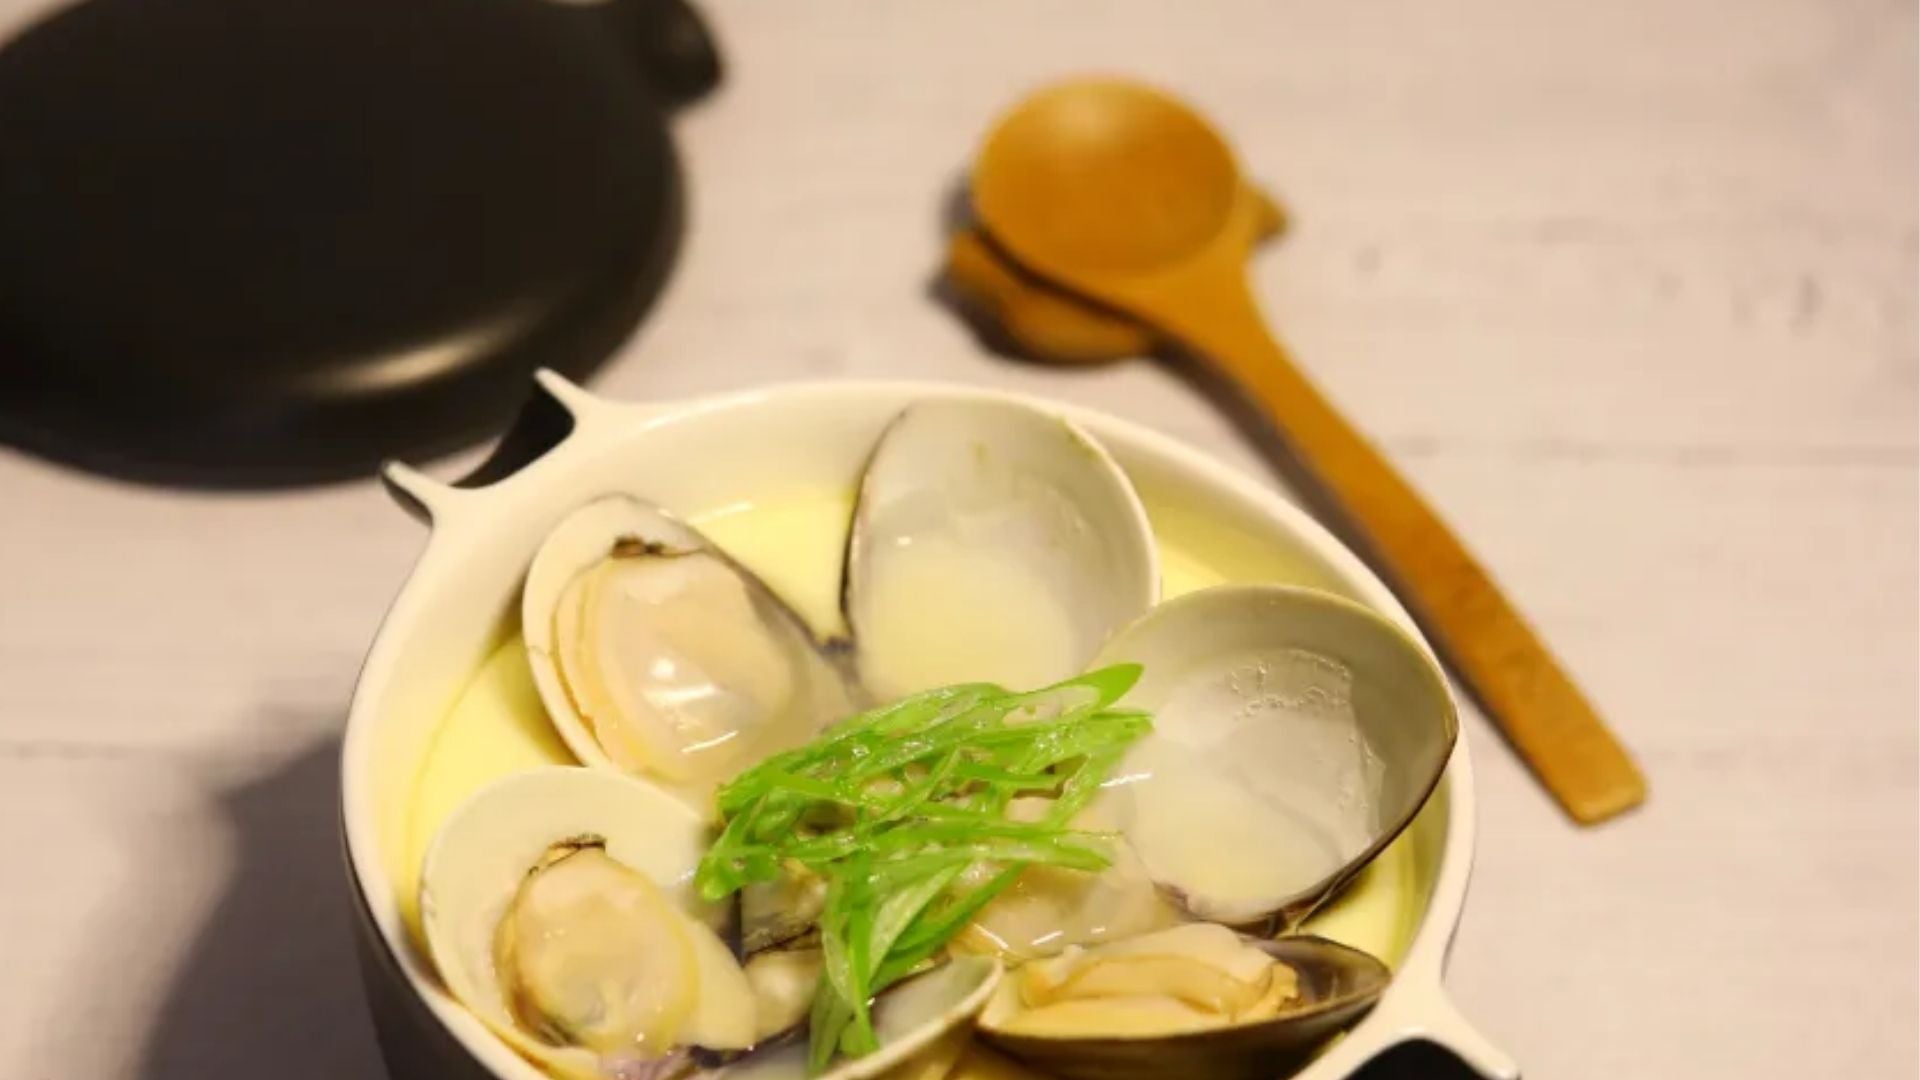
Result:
558,908
1196,1000
1295,734
991,541
781,912
910,1019
783,982
1049,909
656,654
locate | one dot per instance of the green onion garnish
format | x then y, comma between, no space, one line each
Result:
893,806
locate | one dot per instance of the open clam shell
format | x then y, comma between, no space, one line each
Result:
1336,986
991,541
537,955
658,655
1295,734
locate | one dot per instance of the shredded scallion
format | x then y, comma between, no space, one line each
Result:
893,806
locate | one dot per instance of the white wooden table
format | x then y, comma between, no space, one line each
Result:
1629,288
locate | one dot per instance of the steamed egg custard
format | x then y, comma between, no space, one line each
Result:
974,769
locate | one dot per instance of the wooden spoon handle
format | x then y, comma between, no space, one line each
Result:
1492,649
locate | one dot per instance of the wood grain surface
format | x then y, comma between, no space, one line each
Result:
1628,289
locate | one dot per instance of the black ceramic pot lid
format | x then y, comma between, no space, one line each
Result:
276,241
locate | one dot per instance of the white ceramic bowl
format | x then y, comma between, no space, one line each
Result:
569,446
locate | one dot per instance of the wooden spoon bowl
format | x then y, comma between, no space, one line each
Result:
1047,323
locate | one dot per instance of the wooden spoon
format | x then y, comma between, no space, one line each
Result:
1046,323
1126,196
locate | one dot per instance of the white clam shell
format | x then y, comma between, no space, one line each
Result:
816,689
1295,734
489,843
992,542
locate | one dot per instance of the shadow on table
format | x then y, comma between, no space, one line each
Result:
269,987
1415,1061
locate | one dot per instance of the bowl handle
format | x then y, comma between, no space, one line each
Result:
551,416
1430,1017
